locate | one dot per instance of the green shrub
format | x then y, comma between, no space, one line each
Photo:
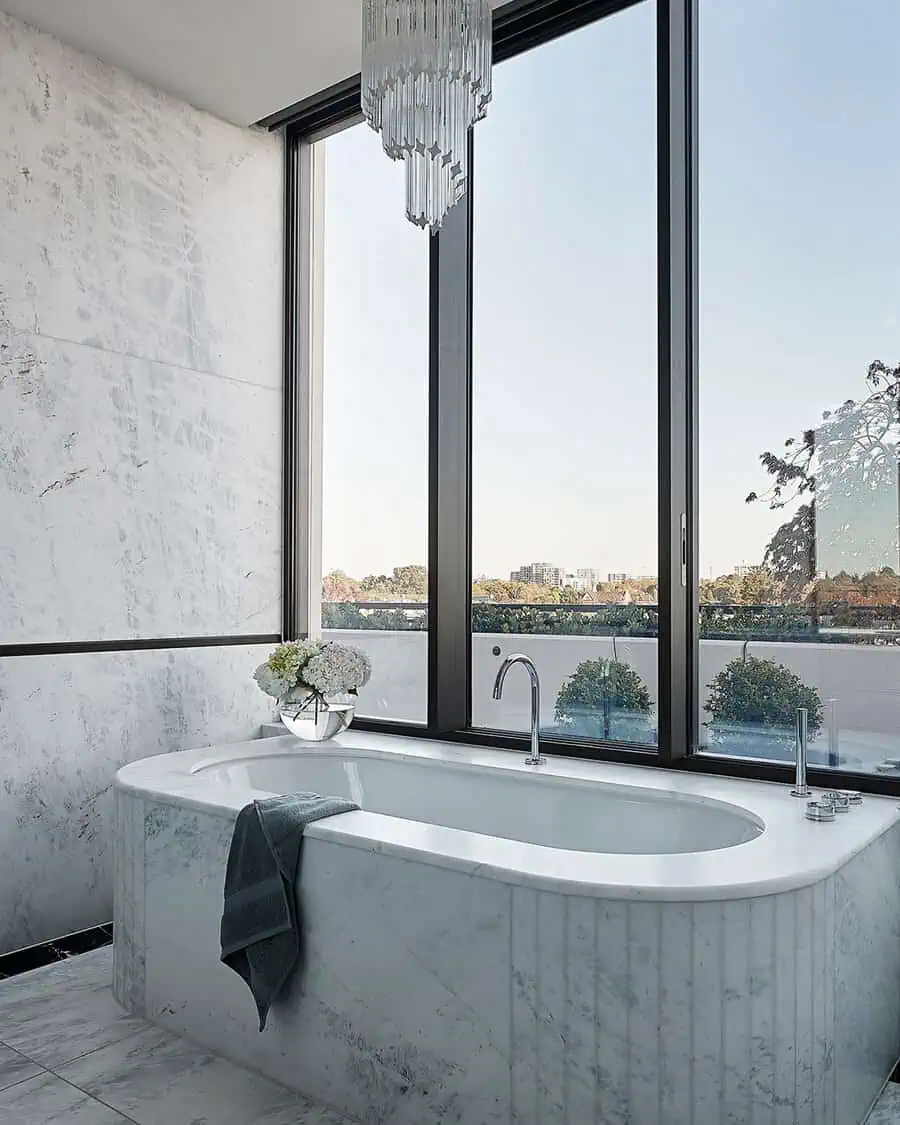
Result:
762,693
596,689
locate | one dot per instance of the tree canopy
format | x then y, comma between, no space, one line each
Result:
838,475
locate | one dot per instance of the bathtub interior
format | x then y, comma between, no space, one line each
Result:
582,816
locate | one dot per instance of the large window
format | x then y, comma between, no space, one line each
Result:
375,424
635,411
799,379
565,377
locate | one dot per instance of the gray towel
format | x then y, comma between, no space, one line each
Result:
261,920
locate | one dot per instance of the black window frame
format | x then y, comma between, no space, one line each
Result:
521,26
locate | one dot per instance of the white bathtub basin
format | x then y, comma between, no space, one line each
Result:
580,827
533,808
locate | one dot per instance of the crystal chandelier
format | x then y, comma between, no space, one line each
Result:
426,78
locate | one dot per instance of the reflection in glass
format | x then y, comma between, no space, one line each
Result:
799,385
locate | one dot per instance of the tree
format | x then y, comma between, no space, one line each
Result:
848,464
759,586
406,584
762,693
339,587
597,688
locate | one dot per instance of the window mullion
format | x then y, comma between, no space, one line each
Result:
303,389
678,656
450,470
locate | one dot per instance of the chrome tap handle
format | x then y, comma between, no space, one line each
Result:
801,789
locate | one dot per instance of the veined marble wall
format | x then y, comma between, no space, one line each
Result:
140,438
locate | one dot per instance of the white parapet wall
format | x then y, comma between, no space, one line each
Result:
864,679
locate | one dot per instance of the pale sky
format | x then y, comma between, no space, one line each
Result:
800,288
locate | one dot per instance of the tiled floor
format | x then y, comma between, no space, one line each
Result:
887,1112
70,1056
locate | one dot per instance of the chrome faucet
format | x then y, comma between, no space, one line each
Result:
801,789
534,758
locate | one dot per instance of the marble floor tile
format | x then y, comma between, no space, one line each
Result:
887,1111
15,1067
157,1078
56,1013
112,1069
48,1100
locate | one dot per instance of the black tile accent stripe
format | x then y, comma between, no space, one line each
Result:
141,644
59,949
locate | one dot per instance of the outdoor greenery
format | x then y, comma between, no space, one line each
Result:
761,693
847,464
597,689
717,622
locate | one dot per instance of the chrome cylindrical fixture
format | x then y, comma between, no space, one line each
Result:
801,789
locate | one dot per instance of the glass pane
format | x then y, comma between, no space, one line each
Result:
565,355
800,388
375,491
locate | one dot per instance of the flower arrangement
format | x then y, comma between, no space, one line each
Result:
319,668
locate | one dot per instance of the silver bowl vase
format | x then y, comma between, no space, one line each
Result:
316,718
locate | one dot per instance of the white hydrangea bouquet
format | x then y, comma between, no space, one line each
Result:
316,684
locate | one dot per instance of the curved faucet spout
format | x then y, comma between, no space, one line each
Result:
535,758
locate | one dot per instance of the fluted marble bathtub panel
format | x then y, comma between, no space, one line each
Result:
706,1009
551,1009
804,997
524,1016
738,1054
761,1053
67,723
580,1089
867,951
784,1007
614,999
676,988
133,222
138,500
129,939
823,969
646,984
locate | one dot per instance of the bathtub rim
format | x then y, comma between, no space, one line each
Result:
791,853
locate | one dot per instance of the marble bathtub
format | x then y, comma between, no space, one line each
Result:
490,943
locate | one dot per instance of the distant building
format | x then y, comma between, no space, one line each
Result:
587,579
618,577
540,574
742,571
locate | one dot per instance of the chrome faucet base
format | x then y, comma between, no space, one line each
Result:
540,760
802,791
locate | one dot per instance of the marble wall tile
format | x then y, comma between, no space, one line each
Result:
67,723
132,222
137,500
140,376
